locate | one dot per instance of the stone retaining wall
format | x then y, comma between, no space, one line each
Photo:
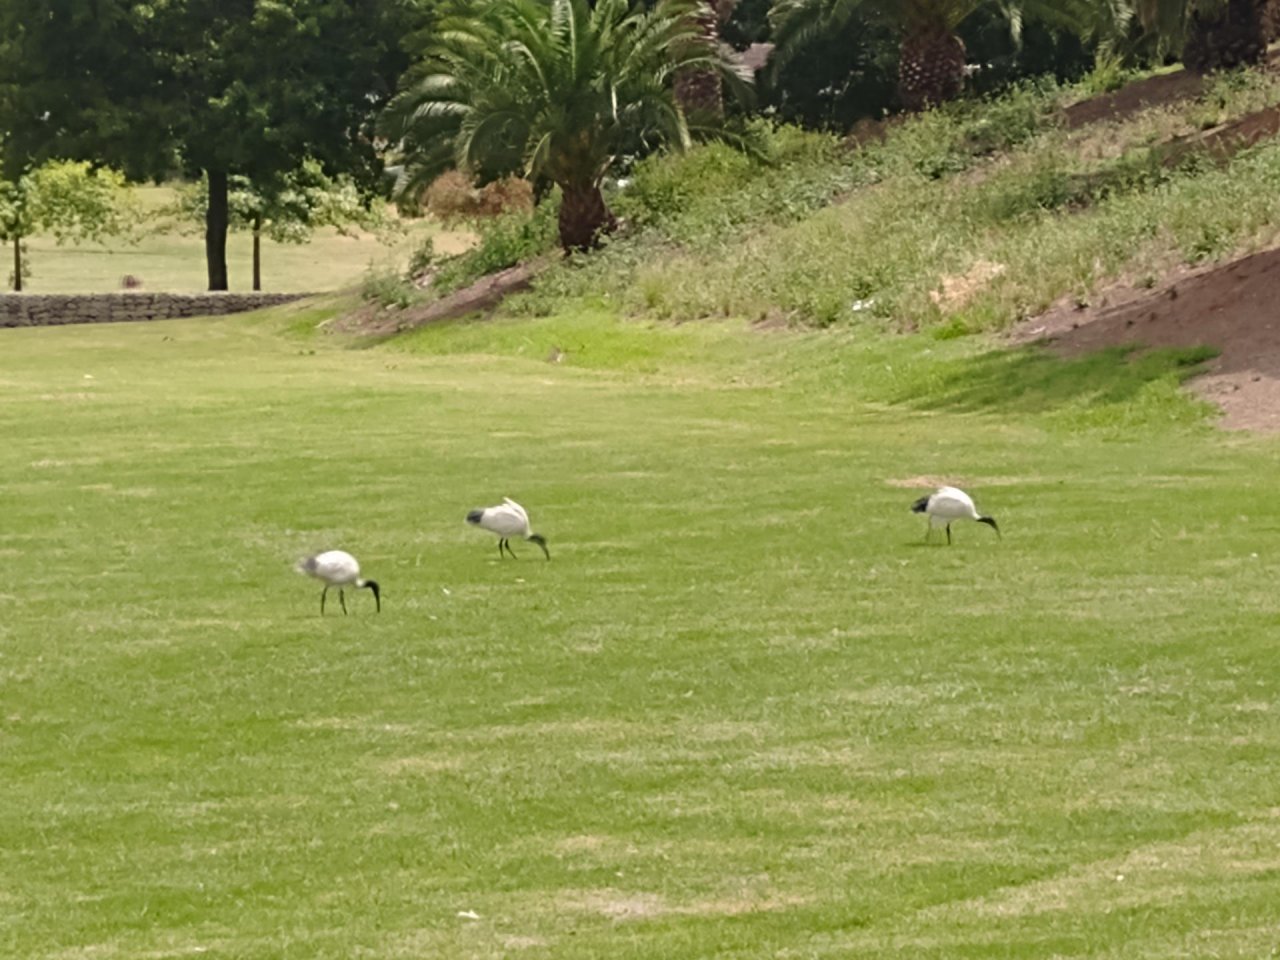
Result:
44,310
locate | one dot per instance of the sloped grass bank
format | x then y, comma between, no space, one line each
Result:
961,221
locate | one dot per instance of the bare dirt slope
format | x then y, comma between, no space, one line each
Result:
1155,91
1234,307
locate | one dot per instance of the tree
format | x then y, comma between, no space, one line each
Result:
553,89
219,87
699,89
67,199
287,209
1062,40
1207,34
1216,34
931,55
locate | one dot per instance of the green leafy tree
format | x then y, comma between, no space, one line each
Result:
287,208
69,200
553,89
212,87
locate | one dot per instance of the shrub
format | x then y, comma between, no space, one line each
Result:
453,197
508,195
1108,74
387,287
505,240
949,140
700,198
422,258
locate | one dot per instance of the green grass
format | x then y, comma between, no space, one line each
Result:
744,712
169,259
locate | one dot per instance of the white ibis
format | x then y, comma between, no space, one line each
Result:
946,505
507,520
337,568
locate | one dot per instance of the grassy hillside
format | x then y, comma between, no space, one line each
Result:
743,712
960,221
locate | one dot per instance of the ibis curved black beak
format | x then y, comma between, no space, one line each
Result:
377,593
541,541
991,522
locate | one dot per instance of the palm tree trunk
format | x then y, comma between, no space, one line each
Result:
215,229
930,68
1230,37
1269,11
17,264
699,90
584,217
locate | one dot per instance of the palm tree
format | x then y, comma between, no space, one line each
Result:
1102,23
552,89
931,55
931,64
1212,34
698,89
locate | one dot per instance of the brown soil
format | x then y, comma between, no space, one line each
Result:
1141,95
1157,91
1224,142
481,296
1234,307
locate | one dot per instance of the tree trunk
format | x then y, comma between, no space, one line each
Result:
17,264
1230,37
215,229
1269,12
584,217
930,69
699,90
257,252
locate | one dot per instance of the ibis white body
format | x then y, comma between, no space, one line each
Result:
508,519
948,504
337,568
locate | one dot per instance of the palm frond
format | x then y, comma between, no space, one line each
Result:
550,88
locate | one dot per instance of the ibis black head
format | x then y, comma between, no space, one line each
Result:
990,522
475,516
920,506
541,541
377,593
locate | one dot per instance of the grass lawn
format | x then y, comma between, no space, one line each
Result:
169,259
743,713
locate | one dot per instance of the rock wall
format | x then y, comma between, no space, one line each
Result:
45,310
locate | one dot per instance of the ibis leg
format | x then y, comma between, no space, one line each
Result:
322,596
342,599
948,534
